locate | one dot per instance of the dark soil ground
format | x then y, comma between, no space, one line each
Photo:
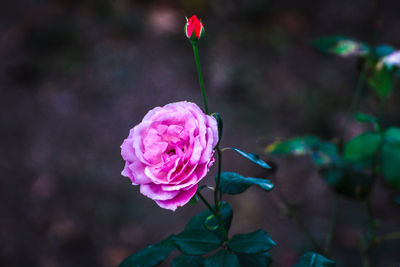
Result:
75,76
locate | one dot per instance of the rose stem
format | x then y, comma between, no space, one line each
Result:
216,214
216,199
199,73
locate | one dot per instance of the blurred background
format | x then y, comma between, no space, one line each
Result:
77,75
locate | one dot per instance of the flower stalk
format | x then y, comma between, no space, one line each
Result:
199,73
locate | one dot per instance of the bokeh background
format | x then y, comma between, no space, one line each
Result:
75,76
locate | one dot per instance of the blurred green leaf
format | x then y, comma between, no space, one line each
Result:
326,153
348,178
312,259
392,135
295,146
363,146
340,46
200,221
390,157
365,118
196,242
187,260
252,157
222,258
255,260
321,152
380,79
255,242
150,256
234,183
380,51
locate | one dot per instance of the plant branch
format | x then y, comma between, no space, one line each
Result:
199,73
332,224
354,104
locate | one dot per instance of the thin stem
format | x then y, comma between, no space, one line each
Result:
370,219
216,199
354,104
293,213
382,107
216,214
332,223
199,73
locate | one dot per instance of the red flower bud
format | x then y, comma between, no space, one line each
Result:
194,28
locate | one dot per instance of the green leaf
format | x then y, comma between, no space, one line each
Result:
392,135
197,242
252,157
254,260
365,118
296,146
234,183
312,259
390,163
340,46
200,221
363,146
321,152
382,51
381,80
222,258
187,260
150,256
325,153
255,242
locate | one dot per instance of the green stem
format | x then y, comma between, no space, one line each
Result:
354,104
370,219
216,214
216,199
332,223
199,73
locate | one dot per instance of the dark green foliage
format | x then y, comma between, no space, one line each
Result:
380,79
150,256
197,242
234,183
222,258
255,260
390,157
340,46
252,243
348,179
312,259
206,220
252,157
363,146
365,118
187,260
380,51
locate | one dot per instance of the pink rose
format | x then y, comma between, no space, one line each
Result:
169,152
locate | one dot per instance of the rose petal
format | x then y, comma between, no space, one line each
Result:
181,199
155,192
